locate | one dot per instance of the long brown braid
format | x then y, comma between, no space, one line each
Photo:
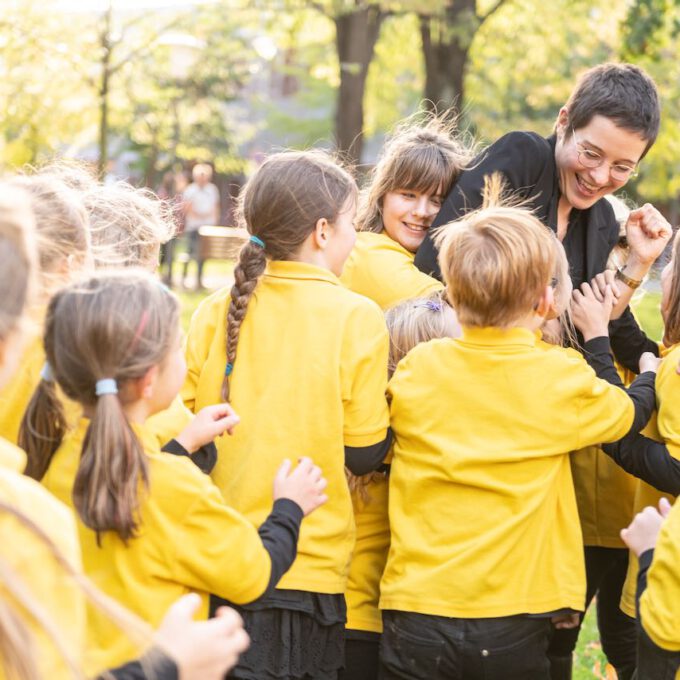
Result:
280,206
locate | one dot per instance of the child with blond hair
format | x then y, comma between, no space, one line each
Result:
486,549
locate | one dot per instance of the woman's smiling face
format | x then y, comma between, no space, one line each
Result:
581,186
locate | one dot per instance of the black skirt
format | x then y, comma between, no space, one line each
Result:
294,635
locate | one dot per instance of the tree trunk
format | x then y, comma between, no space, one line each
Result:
446,43
104,91
356,35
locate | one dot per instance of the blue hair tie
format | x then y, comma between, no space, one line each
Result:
106,386
228,369
46,373
257,241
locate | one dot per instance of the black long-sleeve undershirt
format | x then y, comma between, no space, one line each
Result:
360,460
154,665
204,458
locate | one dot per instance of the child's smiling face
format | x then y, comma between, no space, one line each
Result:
407,215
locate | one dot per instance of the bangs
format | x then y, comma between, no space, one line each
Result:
425,170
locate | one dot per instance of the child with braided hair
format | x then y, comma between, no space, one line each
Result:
288,327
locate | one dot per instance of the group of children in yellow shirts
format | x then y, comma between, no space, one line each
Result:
423,528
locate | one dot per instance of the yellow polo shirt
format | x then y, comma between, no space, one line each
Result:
659,602
605,493
309,378
665,428
369,557
482,507
34,564
381,269
189,541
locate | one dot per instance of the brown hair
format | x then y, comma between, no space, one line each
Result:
423,156
671,334
496,261
128,225
114,325
17,651
623,93
280,205
17,255
62,227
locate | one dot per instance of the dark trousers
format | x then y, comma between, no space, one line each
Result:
605,573
362,657
655,663
418,646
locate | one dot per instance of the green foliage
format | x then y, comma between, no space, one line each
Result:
395,77
39,106
505,88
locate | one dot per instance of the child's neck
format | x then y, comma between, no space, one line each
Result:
310,255
135,412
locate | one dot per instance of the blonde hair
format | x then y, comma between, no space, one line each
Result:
114,325
17,257
17,649
280,205
560,330
422,155
61,226
496,261
414,321
128,225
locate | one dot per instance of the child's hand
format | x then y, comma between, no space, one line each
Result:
600,282
649,362
643,531
564,621
590,314
208,423
203,650
304,485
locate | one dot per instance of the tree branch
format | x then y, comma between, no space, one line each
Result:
482,18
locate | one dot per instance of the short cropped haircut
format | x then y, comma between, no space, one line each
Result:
496,262
624,93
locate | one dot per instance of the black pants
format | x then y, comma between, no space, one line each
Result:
362,656
655,663
605,573
417,646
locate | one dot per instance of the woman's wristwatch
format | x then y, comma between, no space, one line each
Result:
631,283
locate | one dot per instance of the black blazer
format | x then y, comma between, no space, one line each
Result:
527,161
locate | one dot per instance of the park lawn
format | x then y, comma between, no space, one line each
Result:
589,661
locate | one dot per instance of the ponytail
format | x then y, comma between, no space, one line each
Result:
251,265
42,428
112,463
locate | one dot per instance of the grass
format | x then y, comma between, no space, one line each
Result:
589,660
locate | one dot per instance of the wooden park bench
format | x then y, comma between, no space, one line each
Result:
221,243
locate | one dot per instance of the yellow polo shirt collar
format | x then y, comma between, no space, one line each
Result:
474,335
289,269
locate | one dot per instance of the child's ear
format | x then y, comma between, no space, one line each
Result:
321,232
546,302
144,386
